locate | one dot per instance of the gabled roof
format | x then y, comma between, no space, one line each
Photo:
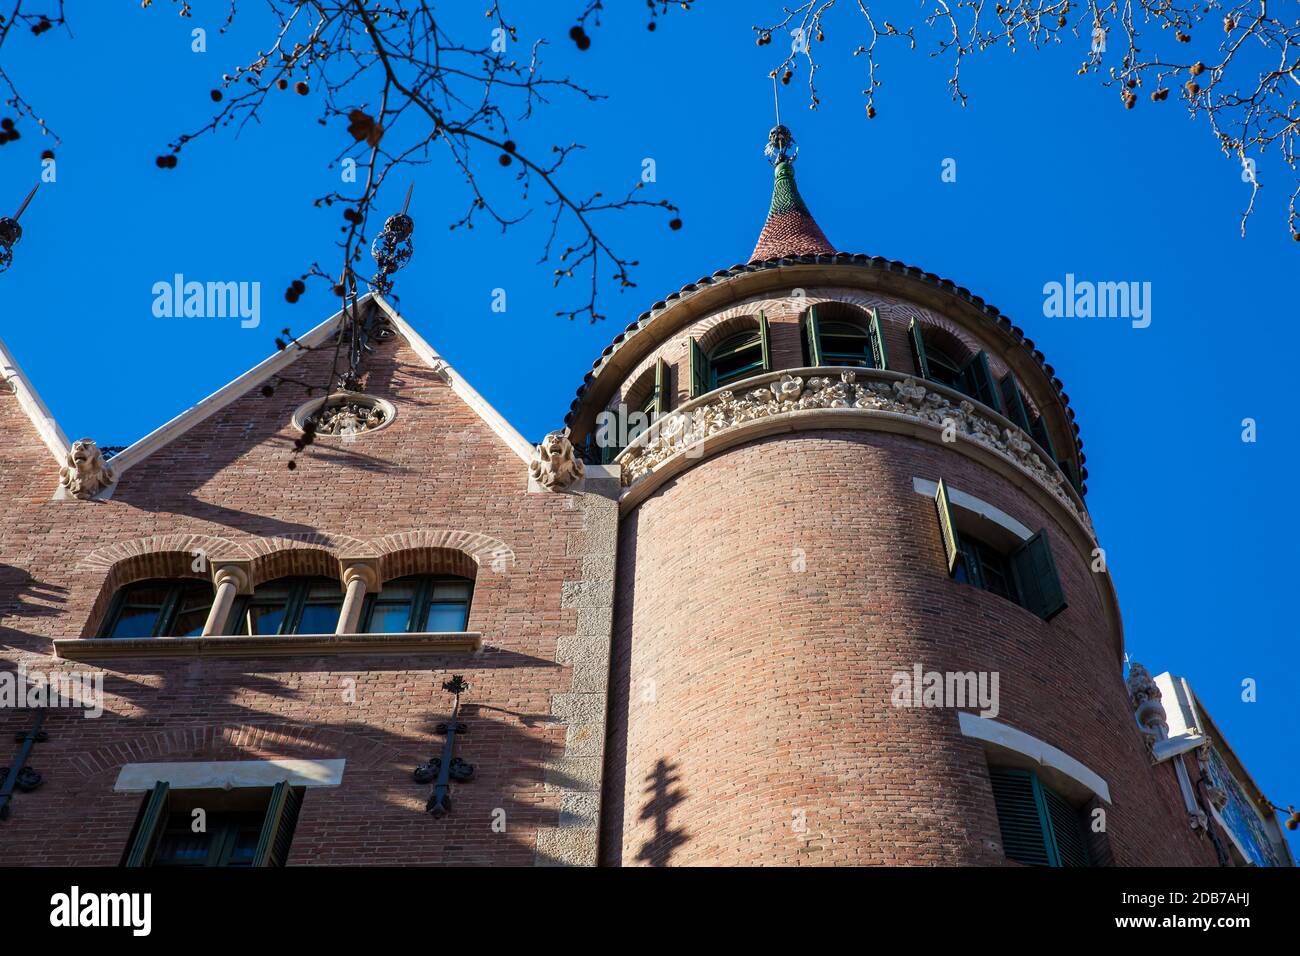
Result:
277,363
30,402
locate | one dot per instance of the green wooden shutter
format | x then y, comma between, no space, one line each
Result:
765,339
879,354
1066,828
149,823
813,335
663,382
1039,430
978,382
699,371
1013,403
947,528
277,829
1036,574
1071,475
918,349
1022,817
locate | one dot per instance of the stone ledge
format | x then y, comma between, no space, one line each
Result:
270,645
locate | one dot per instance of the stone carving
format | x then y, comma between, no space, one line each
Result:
348,418
554,465
678,431
1148,710
85,475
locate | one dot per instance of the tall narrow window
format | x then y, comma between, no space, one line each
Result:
421,604
159,608
1039,826
290,606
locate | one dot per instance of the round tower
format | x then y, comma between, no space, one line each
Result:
861,613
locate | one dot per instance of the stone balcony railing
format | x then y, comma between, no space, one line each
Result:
840,397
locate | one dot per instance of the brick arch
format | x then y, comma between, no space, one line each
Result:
721,331
229,740
161,556
480,549
304,560
106,558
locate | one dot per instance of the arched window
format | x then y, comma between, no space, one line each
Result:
301,605
936,362
845,344
944,369
159,608
735,358
419,604
835,333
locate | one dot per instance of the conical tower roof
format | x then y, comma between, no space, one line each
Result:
790,229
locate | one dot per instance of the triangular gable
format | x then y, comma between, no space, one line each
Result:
276,364
30,402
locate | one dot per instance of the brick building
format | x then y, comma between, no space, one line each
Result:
823,493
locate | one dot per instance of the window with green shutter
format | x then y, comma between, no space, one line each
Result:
812,339
1038,429
849,341
1035,572
919,356
699,371
737,357
879,354
241,827
1026,575
1039,827
977,381
663,400
1012,403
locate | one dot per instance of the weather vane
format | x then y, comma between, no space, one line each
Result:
11,232
781,147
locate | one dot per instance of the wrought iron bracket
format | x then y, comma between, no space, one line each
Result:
21,776
441,771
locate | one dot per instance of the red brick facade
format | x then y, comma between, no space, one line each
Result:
708,649
435,490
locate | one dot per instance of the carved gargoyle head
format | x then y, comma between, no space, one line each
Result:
85,474
554,465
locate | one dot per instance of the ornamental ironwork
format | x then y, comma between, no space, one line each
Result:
441,771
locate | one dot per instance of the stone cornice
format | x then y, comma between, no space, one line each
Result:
856,397
741,281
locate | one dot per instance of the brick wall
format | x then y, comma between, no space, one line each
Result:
437,476
748,696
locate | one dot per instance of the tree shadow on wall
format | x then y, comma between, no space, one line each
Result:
261,706
658,850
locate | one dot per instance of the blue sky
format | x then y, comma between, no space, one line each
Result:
1053,177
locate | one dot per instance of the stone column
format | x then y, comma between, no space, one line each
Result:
231,578
359,575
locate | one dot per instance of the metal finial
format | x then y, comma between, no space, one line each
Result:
781,146
11,232
392,248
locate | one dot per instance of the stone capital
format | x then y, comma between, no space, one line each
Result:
238,573
366,570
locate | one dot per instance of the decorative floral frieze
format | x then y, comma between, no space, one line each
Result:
678,431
